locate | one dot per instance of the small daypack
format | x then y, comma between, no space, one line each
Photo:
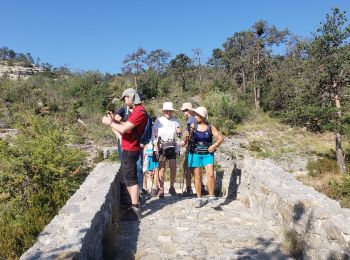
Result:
169,148
147,132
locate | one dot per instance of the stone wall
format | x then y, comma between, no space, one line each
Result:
83,224
287,205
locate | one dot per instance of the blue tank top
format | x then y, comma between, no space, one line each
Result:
203,136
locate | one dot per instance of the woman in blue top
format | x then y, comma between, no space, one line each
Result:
201,152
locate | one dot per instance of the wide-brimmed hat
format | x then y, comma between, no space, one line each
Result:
201,111
168,106
133,95
186,106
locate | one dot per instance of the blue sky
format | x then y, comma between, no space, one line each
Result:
97,35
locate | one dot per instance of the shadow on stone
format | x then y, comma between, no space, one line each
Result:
266,249
235,181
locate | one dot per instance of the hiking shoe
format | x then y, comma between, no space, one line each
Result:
188,192
198,203
172,191
137,212
144,193
212,201
154,192
161,193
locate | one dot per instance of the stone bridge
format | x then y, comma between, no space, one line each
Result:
264,213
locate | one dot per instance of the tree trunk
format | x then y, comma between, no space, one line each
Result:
243,81
135,81
339,153
338,137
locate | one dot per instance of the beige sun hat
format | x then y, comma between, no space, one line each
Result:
186,106
201,111
168,106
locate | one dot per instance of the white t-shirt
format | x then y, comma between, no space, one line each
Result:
165,128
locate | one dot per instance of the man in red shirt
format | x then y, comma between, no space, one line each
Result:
131,132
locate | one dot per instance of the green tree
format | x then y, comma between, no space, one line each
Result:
157,60
180,67
134,64
265,37
329,55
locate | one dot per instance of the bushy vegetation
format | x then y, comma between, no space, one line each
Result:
307,86
38,173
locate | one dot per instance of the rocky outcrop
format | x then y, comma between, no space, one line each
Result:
83,224
18,72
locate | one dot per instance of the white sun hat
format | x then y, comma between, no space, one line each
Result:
186,106
168,106
202,111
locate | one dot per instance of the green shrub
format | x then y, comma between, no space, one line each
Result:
340,190
322,166
38,173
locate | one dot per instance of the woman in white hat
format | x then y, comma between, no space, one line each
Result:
201,152
165,130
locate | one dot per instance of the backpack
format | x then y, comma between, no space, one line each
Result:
147,132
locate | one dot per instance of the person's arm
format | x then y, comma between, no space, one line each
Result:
178,129
218,137
155,130
121,127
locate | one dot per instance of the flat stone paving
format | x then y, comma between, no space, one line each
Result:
171,228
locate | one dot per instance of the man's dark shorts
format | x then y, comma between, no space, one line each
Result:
128,168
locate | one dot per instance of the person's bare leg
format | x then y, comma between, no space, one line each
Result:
156,178
209,169
161,176
198,181
172,166
134,193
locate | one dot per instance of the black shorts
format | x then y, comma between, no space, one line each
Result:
163,158
128,168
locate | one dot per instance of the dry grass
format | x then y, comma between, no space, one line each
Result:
278,139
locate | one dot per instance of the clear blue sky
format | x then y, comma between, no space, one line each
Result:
97,35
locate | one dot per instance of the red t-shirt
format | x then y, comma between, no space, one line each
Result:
130,141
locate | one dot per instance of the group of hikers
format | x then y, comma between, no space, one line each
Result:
146,147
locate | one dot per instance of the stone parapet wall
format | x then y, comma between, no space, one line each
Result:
288,206
82,225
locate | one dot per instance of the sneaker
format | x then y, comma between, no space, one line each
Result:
154,192
172,191
188,192
213,202
198,203
161,193
137,212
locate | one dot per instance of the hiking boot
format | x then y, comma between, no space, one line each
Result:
212,201
137,212
188,192
198,203
172,191
154,192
